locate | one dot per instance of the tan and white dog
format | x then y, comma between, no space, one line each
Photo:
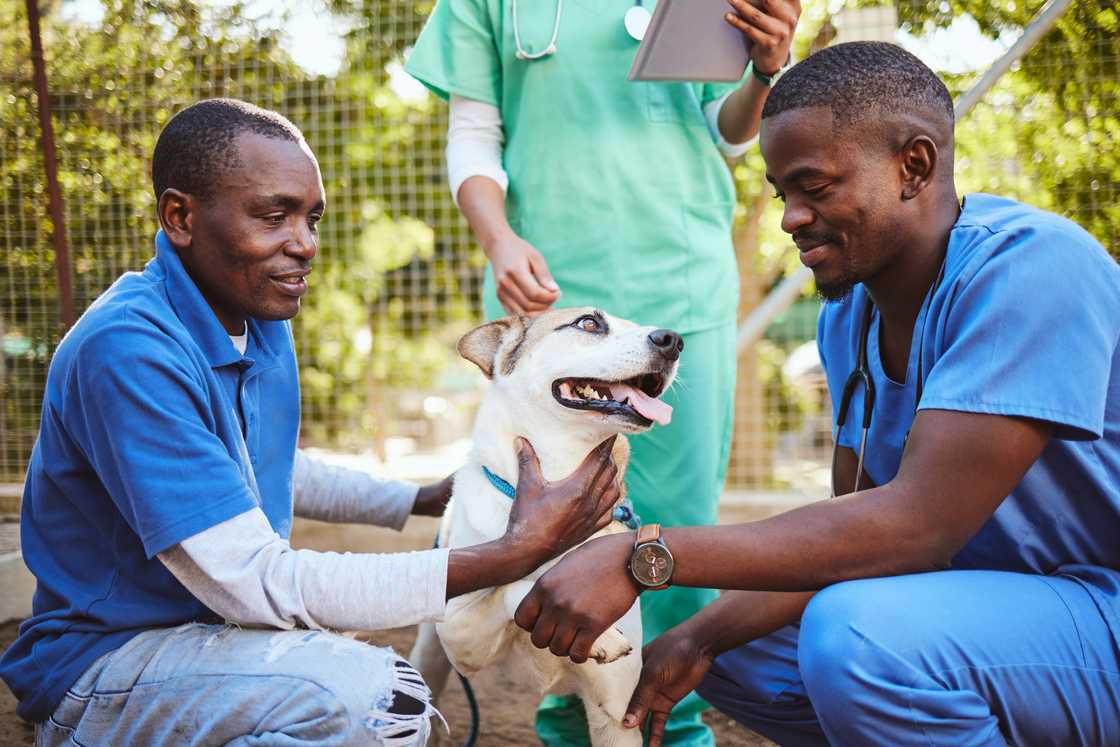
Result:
565,380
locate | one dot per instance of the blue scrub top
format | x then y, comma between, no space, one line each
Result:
154,428
1026,322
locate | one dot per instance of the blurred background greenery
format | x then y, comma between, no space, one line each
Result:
399,277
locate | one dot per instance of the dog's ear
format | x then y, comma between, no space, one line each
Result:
481,345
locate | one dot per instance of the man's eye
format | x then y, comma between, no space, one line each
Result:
816,190
589,324
779,196
313,221
274,219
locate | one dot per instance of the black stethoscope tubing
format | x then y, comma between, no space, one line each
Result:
862,375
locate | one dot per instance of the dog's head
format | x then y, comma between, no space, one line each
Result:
579,365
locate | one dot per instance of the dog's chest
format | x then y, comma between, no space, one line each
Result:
479,511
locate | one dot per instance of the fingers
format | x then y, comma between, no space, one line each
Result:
605,518
528,611
657,723
606,480
638,708
540,271
513,294
528,465
749,15
598,460
544,631
562,638
523,287
786,12
580,649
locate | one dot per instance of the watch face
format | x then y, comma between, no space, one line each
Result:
652,565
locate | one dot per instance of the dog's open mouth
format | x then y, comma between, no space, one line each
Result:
635,399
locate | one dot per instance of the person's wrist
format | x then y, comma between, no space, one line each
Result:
765,72
493,238
522,553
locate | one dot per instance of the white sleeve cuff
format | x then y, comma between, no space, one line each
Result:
475,142
243,571
711,114
337,494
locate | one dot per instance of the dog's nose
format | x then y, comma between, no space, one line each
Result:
667,342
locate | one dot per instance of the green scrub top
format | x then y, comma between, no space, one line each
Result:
617,183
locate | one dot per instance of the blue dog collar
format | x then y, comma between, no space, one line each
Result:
623,513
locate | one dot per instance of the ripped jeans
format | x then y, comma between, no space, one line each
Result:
218,684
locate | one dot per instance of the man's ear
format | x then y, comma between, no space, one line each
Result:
176,214
918,163
481,345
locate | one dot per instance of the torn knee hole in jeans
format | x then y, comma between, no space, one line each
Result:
401,717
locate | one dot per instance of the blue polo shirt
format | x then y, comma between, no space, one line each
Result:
154,428
1025,323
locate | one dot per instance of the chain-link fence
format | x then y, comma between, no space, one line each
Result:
399,277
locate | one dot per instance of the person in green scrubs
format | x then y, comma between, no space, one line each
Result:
587,189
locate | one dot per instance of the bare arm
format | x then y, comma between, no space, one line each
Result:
956,470
769,26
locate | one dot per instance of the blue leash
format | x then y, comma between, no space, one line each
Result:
624,513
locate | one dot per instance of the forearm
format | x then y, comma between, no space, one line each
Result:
243,571
741,113
878,532
739,617
489,564
483,204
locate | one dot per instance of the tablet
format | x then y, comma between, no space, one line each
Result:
690,40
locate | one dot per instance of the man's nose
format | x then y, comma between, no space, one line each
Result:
667,342
304,243
795,215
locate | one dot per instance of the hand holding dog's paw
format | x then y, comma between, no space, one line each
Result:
583,595
550,518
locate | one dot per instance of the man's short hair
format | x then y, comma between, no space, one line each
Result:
196,147
858,79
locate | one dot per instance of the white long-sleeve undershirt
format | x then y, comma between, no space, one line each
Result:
476,138
247,574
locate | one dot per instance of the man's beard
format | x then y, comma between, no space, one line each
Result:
836,291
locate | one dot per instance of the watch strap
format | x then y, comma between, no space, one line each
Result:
647,533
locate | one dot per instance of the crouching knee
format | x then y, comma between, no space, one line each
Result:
402,716
361,695
844,648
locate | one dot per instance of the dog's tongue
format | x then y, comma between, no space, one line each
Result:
649,407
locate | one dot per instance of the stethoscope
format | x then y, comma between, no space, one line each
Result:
636,22
862,375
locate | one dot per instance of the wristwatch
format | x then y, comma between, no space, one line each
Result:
770,80
651,563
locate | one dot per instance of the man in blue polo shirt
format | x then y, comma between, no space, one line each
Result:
159,497
963,587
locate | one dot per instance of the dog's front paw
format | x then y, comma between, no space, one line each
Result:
611,646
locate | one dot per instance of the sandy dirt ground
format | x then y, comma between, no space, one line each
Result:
506,710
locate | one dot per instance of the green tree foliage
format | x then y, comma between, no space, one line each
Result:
387,296
1047,134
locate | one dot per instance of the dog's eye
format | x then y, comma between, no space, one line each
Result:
588,324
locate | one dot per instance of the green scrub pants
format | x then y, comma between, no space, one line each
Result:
675,478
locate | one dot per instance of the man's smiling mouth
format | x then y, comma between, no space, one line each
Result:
292,283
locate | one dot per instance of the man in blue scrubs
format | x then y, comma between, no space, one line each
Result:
964,588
